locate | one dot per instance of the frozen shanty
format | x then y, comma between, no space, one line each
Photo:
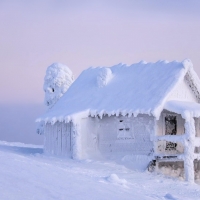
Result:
147,109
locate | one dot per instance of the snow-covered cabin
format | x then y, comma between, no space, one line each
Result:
147,109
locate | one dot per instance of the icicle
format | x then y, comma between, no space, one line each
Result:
101,113
109,114
123,112
112,112
46,120
60,119
129,113
53,120
68,119
91,113
117,113
135,114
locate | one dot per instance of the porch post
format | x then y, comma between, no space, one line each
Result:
76,140
189,149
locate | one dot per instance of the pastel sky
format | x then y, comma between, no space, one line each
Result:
80,34
83,33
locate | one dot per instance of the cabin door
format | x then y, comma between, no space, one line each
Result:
63,139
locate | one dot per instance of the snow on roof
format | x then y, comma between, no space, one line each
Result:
186,109
121,89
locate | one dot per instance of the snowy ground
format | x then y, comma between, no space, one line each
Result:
25,173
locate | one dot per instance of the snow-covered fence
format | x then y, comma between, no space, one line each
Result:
189,143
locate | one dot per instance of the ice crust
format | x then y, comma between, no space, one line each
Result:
121,89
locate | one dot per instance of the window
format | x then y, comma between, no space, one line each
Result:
170,125
170,129
124,130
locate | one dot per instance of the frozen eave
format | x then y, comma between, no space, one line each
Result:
91,113
186,109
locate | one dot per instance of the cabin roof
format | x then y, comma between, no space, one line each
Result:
120,89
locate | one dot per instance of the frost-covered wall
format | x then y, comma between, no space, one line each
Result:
108,136
89,137
125,135
92,136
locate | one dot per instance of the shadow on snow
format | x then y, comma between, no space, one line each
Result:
21,150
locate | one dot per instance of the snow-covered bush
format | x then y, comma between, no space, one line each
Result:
57,80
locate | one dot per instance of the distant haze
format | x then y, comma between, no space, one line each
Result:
80,34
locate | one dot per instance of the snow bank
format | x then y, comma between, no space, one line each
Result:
29,175
121,89
113,178
172,170
176,170
137,162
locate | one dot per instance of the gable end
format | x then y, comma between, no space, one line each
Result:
190,81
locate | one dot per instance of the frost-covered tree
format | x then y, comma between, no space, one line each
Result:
40,128
57,80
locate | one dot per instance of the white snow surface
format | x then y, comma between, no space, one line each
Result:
57,80
28,174
138,88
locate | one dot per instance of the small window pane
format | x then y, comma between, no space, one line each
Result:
170,125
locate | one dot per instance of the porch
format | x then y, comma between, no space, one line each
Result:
181,145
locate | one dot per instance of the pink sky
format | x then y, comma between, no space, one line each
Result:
35,34
80,34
